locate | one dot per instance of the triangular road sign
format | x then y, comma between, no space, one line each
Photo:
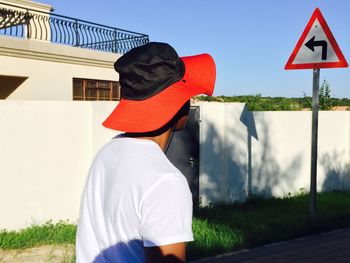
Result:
316,47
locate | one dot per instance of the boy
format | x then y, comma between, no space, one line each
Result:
136,206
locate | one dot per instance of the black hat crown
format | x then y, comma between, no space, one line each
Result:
147,70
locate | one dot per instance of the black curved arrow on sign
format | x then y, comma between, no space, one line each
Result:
322,43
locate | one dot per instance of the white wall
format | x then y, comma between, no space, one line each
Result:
46,148
223,152
269,153
26,4
334,151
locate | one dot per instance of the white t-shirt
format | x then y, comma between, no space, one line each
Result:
133,197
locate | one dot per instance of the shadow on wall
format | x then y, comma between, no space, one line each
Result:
269,176
337,174
247,118
234,170
225,177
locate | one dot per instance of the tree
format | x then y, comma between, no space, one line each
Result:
325,96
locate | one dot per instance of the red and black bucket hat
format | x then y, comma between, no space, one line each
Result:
155,83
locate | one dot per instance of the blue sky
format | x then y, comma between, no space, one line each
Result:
250,40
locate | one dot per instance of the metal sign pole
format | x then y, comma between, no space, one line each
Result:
315,106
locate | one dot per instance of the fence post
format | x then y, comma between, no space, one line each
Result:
77,40
115,41
27,23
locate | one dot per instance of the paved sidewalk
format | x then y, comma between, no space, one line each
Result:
327,247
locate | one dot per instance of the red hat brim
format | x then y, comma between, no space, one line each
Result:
153,113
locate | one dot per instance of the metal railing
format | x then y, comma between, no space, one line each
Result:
33,24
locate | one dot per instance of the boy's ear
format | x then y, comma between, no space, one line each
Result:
181,123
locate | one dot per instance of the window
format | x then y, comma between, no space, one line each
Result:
89,89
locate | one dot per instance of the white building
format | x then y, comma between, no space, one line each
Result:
45,56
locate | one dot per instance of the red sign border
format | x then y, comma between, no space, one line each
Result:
342,63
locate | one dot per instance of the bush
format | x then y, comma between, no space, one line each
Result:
260,103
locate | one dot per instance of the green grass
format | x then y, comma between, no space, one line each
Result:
223,228
213,238
262,221
36,235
